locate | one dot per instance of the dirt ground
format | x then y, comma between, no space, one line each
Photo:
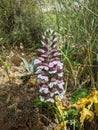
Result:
17,98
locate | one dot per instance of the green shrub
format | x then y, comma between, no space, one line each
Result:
20,21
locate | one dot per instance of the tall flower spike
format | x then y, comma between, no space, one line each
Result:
49,68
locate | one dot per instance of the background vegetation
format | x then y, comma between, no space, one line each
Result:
22,22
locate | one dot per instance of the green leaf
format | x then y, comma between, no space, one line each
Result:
72,112
79,94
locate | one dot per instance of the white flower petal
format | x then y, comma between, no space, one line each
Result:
55,62
43,77
55,39
50,100
46,68
52,84
41,98
43,43
51,64
56,92
52,72
38,71
60,74
43,67
46,90
37,61
43,36
41,50
43,90
61,96
40,67
51,94
61,86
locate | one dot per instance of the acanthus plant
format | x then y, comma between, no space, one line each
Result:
49,68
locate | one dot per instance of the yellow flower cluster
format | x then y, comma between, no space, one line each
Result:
85,105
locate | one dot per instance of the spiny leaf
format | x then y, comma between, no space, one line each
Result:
25,63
